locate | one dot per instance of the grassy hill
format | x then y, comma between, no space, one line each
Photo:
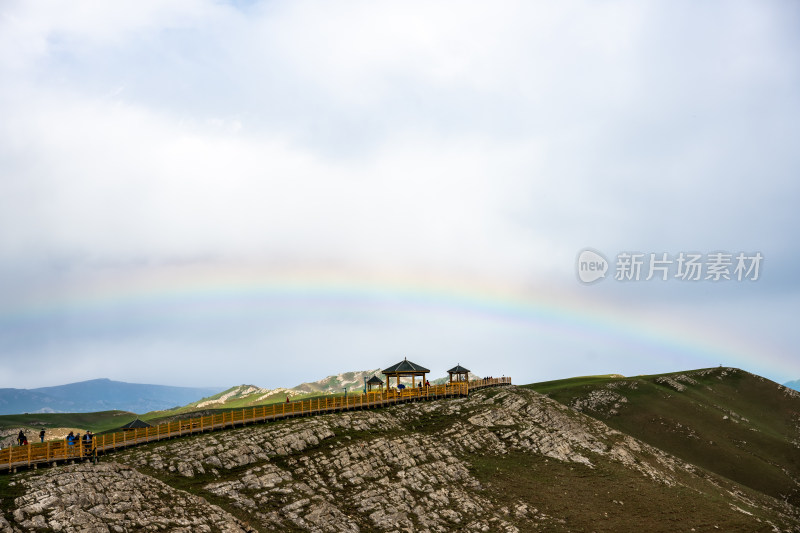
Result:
501,460
97,422
725,420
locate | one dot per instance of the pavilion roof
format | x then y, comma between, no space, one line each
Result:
458,369
374,379
406,366
136,424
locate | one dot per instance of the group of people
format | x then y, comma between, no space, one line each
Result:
419,385
22,439
72,438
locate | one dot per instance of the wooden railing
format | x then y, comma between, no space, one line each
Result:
62,450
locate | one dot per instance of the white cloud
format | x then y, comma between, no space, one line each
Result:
462,140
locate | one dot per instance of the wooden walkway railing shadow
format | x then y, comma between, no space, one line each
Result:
52,452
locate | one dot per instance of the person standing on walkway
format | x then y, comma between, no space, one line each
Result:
41,435
21,437
87,443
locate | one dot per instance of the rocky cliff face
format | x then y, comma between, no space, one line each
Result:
496,461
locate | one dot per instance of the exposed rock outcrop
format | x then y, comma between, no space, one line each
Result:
413,467
112,497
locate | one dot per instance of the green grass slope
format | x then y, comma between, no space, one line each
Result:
97,422
725,420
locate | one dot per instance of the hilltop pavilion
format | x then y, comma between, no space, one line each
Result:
458,373
404,369
374,381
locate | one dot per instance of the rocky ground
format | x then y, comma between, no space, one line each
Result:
111,497
414,467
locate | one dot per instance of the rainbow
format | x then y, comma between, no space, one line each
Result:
565,313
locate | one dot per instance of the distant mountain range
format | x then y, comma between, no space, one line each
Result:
99,395
793,384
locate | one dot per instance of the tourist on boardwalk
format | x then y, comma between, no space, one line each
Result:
87,443
70,439
21,437
41,435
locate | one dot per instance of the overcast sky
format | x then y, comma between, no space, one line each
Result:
215,193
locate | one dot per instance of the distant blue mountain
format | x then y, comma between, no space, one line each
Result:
793,384
99,395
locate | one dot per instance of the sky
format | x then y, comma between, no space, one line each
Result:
210,193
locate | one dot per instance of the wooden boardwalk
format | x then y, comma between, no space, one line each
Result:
53,452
